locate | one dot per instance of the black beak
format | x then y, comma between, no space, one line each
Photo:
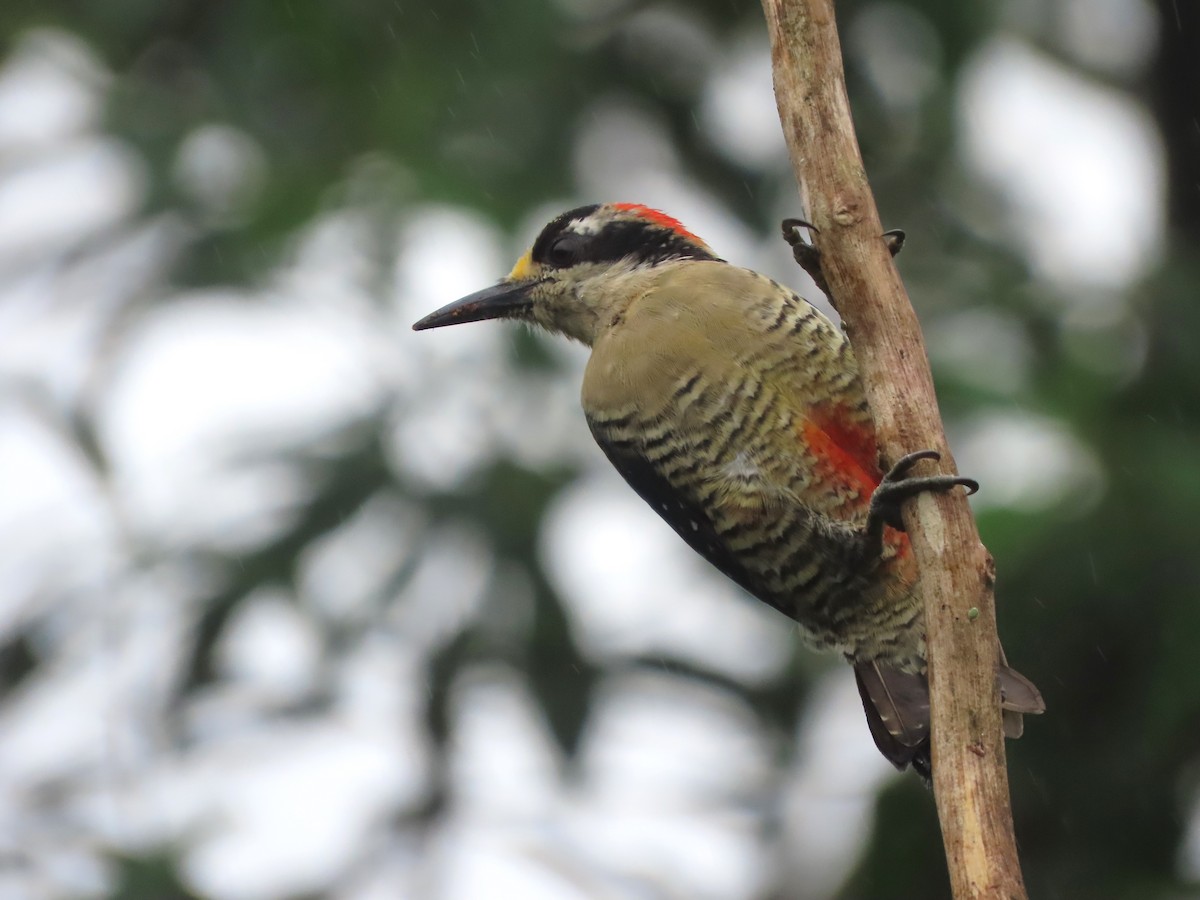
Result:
506,300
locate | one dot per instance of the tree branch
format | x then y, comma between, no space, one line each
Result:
957,573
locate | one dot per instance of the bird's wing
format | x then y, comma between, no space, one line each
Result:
686,516
733,408
723,354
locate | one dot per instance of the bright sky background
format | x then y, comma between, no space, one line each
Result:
263,811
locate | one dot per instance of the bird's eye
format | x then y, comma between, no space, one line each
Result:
565,251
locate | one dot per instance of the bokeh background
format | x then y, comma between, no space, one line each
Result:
295,603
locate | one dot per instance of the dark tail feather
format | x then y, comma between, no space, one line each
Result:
922,763
1018,697
897,708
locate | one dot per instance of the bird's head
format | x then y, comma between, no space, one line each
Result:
580,272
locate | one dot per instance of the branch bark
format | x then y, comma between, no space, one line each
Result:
957,572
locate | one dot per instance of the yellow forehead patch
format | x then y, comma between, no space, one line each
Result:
524,267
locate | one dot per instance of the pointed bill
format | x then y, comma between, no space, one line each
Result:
506,300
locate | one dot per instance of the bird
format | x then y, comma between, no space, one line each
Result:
734,408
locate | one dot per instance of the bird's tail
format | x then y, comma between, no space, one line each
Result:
1018,696
897,708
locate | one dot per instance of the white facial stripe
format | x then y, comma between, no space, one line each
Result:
588,225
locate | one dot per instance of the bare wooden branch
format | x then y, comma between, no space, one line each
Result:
957,573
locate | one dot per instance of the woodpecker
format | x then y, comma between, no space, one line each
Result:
734,408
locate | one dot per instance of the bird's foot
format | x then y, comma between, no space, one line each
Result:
809,257
894,240
897,486
804,252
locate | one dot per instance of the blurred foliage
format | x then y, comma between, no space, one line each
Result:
478,103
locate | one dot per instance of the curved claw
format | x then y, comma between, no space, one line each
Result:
806,255
791,228
897,486
809,257
894,240
907,461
